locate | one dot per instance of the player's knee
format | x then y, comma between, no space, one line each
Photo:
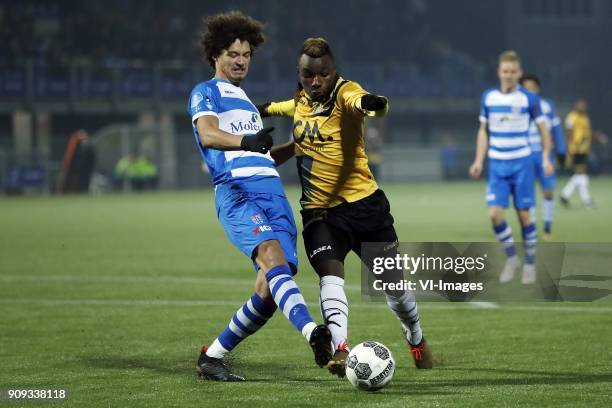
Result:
330,267
496,215
270,254
524,217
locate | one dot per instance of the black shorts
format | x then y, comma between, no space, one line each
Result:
330,233
579,159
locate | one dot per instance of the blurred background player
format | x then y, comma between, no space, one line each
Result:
579,135
249,196
548,183
342,206
505,115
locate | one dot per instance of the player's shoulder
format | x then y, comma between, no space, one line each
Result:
531,97
204,86
547,105
202,90
346,86
489,91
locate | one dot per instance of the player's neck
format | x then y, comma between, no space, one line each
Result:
221,76
508,89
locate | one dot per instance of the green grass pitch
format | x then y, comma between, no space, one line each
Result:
110,297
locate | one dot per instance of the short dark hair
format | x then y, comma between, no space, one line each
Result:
316,48
530,77
221,30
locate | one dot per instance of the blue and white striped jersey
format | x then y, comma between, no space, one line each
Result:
249,171
554,125
508,116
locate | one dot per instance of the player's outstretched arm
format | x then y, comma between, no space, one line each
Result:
213,137
282,153
481,149
285,108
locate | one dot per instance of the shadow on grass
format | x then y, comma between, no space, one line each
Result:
285,375
137,363
517,377
268,372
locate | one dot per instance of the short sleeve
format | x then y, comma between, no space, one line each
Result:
349,98
569,120
483,117
285,108
202,101
535,109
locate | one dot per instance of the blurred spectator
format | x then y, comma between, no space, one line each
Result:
78,164
450,158
143,174
121,173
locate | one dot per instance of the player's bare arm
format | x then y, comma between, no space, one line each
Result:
546,140
282,153
481,150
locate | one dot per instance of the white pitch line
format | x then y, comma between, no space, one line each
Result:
376,305
149,279
484,305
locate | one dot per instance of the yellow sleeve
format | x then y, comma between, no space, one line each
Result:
569,120
350,99
285,108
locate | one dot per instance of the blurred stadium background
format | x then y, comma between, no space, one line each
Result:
122,72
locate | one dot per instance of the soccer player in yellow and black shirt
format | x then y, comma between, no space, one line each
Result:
579,135
342,206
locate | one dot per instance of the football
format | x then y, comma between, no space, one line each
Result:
370,366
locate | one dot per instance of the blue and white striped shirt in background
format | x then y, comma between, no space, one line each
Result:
554,125
508,117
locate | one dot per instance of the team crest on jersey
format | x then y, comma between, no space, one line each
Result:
257,219
195,100
516,109
319,109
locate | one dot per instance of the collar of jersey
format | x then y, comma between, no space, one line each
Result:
225,81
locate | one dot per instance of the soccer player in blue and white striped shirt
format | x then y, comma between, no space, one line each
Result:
249,196
505,115
548,183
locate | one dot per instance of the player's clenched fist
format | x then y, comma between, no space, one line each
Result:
475,169
373,102
260,142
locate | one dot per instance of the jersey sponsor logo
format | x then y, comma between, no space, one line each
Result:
310,131
262,228
320,249
240,126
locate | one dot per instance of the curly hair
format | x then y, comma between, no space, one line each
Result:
221,30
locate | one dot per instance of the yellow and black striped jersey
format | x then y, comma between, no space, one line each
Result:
329,145
579,126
